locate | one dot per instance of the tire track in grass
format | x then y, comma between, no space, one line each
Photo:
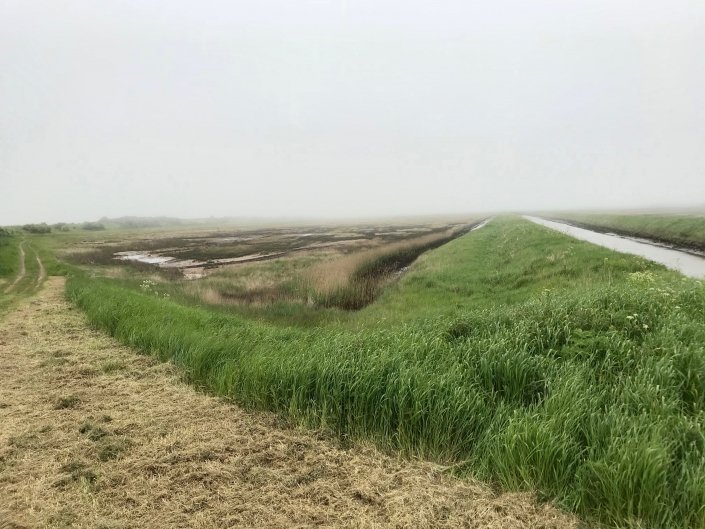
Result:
42,273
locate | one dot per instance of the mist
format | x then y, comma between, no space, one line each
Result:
342,109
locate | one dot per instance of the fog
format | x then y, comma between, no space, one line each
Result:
348,108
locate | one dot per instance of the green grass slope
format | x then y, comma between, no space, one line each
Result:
527,358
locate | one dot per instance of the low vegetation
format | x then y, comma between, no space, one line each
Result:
92,226
686,231
36,228
517,354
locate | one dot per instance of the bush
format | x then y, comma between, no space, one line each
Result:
37,228
92,226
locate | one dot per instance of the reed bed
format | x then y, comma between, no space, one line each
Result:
354,281
350,281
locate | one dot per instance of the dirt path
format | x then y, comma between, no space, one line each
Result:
22,271
94,435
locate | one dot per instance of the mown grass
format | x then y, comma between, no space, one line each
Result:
687,231
524,357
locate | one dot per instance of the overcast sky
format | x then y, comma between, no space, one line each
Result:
347,108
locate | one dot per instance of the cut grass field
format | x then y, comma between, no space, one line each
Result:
685,231
516,354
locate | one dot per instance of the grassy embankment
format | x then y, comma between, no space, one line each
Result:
522,356
686,231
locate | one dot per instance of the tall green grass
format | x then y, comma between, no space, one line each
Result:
562,368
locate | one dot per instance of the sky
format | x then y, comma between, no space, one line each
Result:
280,108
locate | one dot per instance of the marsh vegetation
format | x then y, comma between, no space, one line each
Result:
342,267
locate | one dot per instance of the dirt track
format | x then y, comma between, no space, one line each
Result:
42,273
94,435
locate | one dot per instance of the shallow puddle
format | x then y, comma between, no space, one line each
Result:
143,257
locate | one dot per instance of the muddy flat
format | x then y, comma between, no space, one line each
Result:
95,435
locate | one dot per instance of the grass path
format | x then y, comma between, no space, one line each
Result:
22,271
42,273
94,435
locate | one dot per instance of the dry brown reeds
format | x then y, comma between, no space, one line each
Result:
353,281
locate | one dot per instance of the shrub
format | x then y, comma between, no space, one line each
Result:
92,226
37,228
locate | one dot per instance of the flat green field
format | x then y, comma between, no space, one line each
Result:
513,353
687,231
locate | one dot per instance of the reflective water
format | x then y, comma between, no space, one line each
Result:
686,263
143,257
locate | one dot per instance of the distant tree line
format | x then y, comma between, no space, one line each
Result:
141,222
61,226
92,226
37,228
